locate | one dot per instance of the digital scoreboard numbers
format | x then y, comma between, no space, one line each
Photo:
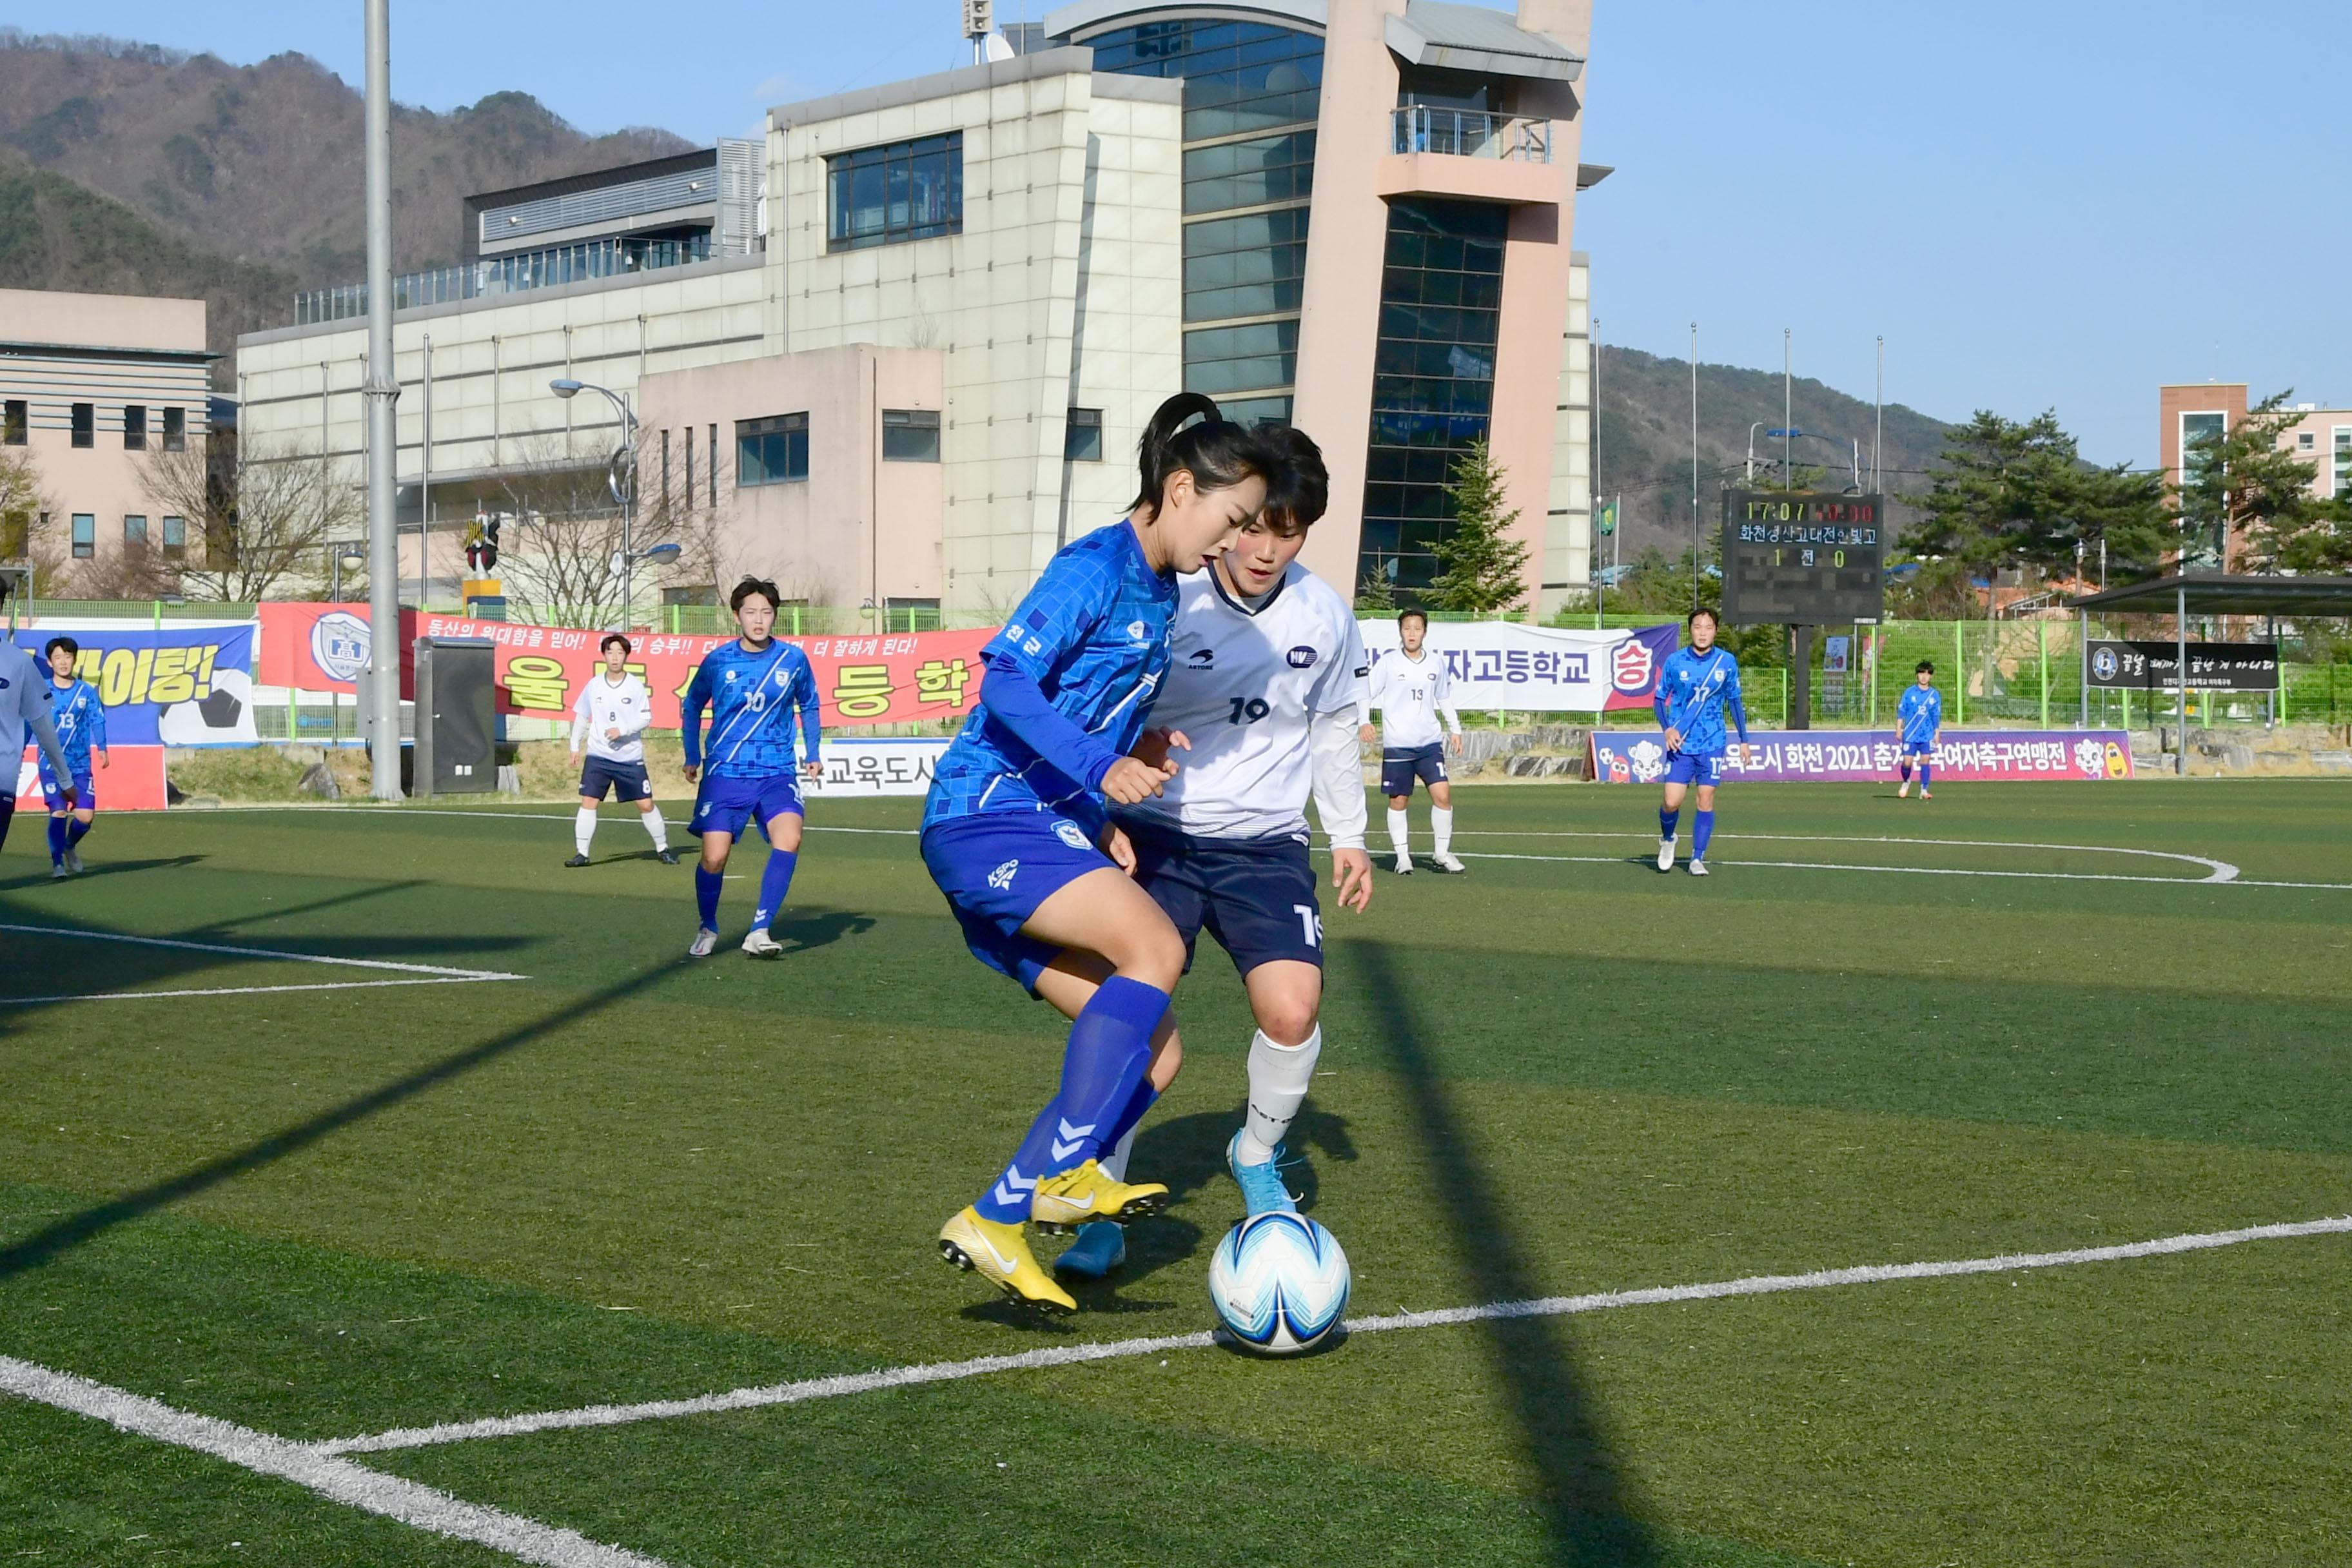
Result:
1798,559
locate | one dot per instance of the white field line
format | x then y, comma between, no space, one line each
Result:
1071,1355
338,1480
426,974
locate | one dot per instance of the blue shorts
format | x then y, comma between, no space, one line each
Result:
85,794
626,781
1256,896
725,804
1918,748
995,868
1694,768
1400,768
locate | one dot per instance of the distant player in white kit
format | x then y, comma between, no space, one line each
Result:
1265,681
612,716
25,705
1413,691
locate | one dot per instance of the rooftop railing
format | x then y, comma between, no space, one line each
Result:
505,275
1469,133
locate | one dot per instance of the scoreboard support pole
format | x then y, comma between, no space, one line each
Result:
1800,695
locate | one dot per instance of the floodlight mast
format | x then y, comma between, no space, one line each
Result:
383,549
621,478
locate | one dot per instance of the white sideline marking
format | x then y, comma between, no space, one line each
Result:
429,974
338,1480
1071,1355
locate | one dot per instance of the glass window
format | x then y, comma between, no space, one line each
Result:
176,535
84,424
911,436
134,427
1260,356
1253,264
134,530
175,429
1082,437
771,451
85,535
13,422
1238,75
887,196
1249,174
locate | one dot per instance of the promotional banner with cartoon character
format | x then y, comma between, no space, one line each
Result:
1540,670
188,684
1639,756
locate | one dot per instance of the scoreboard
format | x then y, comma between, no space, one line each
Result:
1800,559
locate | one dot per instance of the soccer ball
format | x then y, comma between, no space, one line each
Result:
1279,1283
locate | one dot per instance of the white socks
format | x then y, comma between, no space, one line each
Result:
653,825
1398,834
583,828
1114,1165
1440,826
1278,1078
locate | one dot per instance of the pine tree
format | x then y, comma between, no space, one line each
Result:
1374,595
1481,567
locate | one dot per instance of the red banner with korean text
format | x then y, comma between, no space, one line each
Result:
882,679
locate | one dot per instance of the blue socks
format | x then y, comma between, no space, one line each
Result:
76,830
707,884
1926,771
775,883
58,839
1702,830
1666,820
1102,1069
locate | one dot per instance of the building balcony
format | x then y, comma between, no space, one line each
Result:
1469,133
505,275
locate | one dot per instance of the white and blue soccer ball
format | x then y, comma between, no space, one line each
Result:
1279,1282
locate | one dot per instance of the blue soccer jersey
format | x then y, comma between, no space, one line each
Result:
1093,635
1693,688
751,697
1921,714
80,719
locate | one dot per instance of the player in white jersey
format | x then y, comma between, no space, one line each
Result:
1265,678
1412,690
612,716
25,697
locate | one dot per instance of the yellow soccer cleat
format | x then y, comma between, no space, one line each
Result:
1077,1196
1001,1252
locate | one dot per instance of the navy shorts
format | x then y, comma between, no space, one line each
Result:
1256,896
85,793
1400,768
995,868
1694,768
1918,748
727,804
626,781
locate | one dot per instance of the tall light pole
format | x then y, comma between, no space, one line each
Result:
1787,417
1878,441
1694,327
384,547
621,478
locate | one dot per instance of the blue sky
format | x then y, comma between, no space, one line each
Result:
2054,204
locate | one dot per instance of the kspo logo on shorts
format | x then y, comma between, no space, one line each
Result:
1001,878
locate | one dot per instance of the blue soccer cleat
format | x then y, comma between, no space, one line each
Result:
1101,1246
1260,1185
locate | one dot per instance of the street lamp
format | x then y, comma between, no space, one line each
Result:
1796,434
351,553
621,479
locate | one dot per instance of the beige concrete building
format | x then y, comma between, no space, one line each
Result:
1356,215
90,384
2189,412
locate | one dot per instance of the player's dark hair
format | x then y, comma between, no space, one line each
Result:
1925,666
68,643
1693,618
1299,490
750,585
1217,453
612,638
1421,615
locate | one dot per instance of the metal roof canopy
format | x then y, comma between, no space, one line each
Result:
2224,594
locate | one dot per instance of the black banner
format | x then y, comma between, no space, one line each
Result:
2212,666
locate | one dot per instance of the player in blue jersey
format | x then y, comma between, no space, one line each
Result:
1696,685
1016,831
25,703
80,719
752,687
1919,715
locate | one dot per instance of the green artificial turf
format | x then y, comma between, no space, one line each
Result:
629,1175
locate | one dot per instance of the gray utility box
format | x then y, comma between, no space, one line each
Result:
456,716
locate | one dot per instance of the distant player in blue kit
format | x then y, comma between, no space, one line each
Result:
80,719
1919,715
1694,686
752,687
1016,831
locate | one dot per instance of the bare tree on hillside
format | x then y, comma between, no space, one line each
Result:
262,517
24,504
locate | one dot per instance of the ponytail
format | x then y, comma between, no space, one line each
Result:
1217,453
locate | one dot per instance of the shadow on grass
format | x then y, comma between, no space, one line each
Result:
100,868
1588,1510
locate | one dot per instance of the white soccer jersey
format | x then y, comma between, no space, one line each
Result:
1246,686
602,705
1411,695
24,707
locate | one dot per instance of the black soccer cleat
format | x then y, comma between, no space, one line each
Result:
577,860
667,857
